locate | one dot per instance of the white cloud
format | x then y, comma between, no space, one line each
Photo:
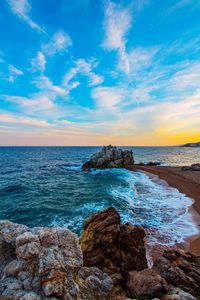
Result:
22,9
59,42
47,86
187,77
107,97
37,104
95,79
141,58
38,63
117,24
70,75
84,67
13,73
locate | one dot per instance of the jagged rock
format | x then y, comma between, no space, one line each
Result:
113,247
109,157
46,263
145,284
181,270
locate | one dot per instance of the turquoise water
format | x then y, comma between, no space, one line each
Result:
44,186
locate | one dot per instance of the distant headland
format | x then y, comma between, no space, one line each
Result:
191,145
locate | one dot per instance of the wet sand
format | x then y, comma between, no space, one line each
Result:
187,182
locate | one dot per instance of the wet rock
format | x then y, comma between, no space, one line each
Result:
181,270
109,157
146,284
46,263
113,247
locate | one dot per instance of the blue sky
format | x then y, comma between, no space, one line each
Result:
94,72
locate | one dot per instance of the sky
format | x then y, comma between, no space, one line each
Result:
94,72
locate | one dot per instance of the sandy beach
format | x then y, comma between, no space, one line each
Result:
187,182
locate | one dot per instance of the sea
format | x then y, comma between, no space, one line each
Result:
44,186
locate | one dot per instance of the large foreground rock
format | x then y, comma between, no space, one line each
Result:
113,247
180,270
109,157
46,263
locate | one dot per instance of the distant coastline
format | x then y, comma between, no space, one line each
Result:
191,145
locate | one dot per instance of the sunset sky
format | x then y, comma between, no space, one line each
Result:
93,72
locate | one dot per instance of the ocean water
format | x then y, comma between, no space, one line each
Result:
44,186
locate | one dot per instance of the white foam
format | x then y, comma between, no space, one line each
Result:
161,209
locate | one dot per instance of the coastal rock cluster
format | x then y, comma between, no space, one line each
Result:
119,250
46,263
109,157
108,263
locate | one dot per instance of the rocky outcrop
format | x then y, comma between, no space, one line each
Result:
46,263
109,157
180,270
113,247
193,167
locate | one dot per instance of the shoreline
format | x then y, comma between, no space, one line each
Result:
188,183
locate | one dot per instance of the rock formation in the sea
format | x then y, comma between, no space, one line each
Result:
109,157
180,270
46,263
193,167
113,247
192,145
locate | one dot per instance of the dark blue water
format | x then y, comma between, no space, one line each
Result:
44,186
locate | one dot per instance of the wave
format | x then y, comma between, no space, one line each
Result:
162,210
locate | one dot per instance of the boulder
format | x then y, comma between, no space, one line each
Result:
109,157
145,284
180,270
113,247
46,263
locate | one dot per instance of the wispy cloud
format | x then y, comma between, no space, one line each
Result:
107,97
13,73
22,9
59,42
86,68
38,63
176,5
38,104
117,24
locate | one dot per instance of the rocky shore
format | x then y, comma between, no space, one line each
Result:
109,262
